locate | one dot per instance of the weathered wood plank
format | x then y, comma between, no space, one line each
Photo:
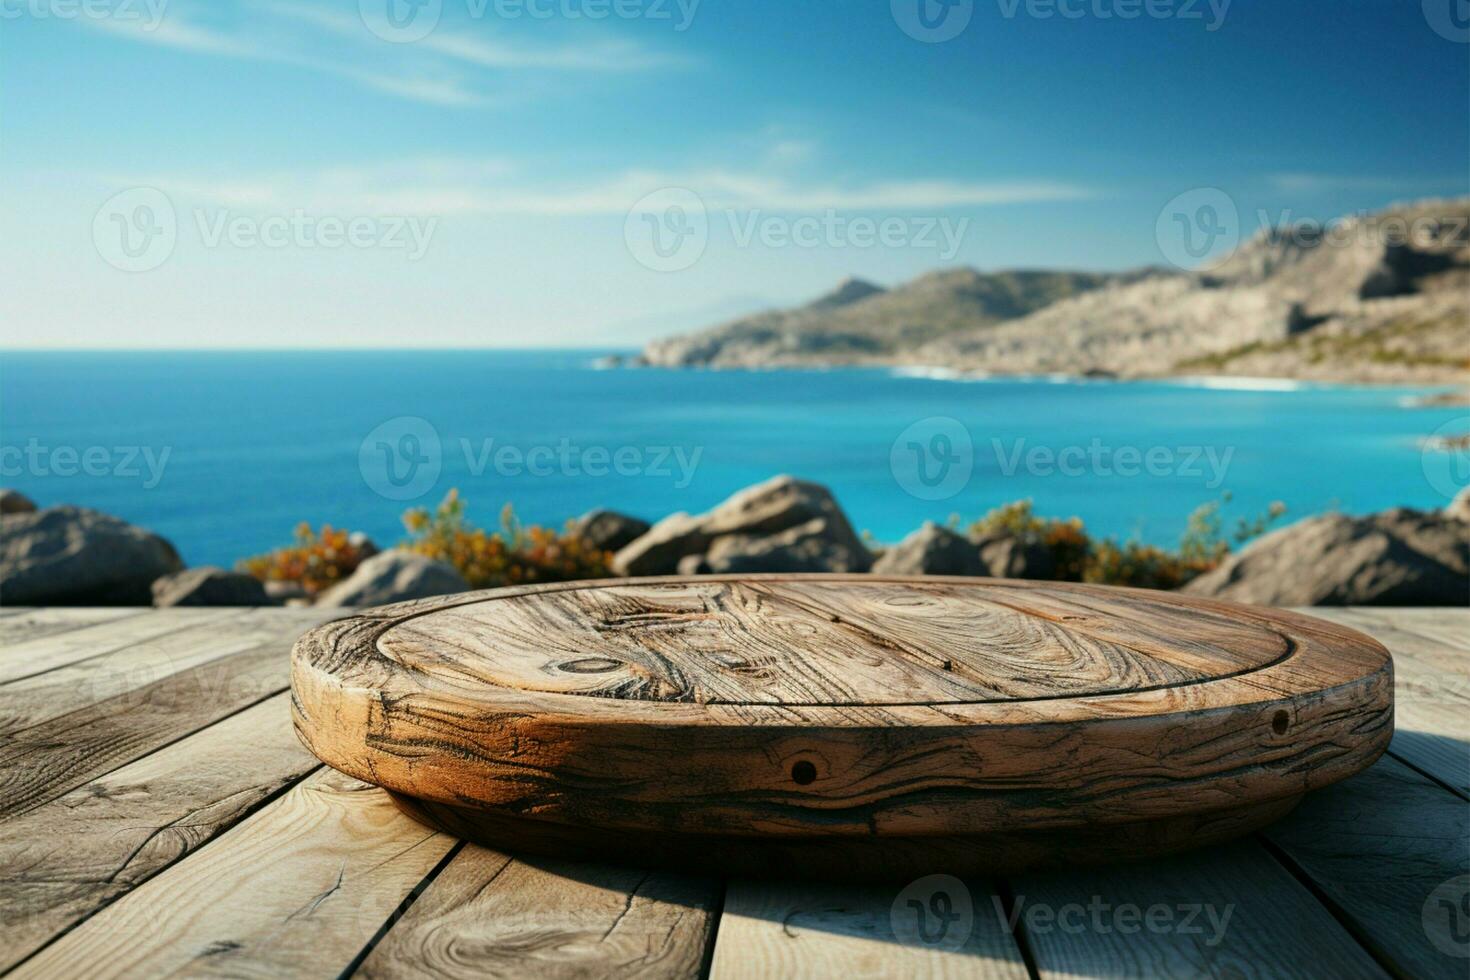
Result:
23,625
64,690
1378,846
63,861
32,657
1431,683
488,915
44,760
789,929
298,890
1227,912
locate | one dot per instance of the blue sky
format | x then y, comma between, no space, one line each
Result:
489,172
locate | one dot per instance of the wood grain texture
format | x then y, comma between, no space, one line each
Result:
124,705
23,625
1246,706
1231,911
488,915
862,642
34,656
812,930
1432,686
62,861
298,890
1378,846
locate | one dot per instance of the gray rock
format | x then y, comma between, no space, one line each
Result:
394,576
659,551
1400,557
285,593
607,530
75,556
365,546
765,509
931,550
15,502
209,586
1005,555
809,547
1459,508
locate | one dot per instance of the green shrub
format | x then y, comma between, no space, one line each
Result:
1081,558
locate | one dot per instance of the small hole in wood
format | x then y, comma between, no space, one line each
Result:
803,772
1279,722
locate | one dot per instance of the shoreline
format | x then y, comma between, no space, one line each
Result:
1454,393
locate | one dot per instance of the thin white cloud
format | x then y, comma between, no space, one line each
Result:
444,68
449,187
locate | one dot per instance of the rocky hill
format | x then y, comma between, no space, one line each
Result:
1384,297
859,322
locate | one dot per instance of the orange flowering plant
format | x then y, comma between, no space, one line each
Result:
514,555
317,559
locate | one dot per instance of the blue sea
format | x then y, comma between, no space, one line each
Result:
225,452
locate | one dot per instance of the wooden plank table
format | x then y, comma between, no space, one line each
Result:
158,817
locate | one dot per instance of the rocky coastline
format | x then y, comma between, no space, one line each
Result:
65,555
1378,298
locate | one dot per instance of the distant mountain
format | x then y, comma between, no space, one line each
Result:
859,322
1384,297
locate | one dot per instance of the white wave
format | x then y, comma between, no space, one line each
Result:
1231,383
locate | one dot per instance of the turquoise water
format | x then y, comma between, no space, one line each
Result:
225,452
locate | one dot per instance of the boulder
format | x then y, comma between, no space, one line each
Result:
809,547
1399,557
394,575
607,530
1007,555
363,544
1459,508
285,593
15,502
765,509
209,586
931,550
75,556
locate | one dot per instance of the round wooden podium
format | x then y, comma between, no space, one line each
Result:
850,726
